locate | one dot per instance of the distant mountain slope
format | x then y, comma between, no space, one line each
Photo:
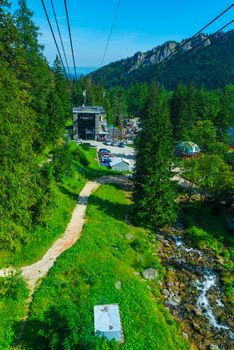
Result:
212,67
81,71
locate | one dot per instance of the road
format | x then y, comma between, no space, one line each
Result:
126,152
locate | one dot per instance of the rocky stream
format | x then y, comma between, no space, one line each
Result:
193,292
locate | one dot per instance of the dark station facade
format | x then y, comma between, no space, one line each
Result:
89,123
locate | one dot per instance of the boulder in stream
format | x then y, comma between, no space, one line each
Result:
214,347
150,274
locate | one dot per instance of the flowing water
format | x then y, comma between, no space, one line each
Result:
203,292
208,281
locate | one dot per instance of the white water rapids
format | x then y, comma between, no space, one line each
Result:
209,281
203,302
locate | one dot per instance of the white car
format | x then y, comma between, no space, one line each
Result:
108,143
79,141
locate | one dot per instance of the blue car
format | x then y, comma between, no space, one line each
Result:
121,145
104,150
106,159
105,164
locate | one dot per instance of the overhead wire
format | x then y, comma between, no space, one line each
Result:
70,37
206,47
110,34
55,41
60,37
196,46
200,31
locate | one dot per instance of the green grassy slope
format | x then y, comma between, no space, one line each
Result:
13,298
109,251
64,194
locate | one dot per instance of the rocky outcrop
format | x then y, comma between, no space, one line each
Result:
159,53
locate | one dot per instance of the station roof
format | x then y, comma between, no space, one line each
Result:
119,160
89,109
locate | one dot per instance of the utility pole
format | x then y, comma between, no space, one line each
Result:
84,94
103,97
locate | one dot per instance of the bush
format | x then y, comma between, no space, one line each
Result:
61,326
80,156
203,240
13,297
13,287
62,162
65,330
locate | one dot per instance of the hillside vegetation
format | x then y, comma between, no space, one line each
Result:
212,67
108,252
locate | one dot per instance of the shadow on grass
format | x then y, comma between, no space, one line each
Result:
113,209
91,174
210,220
69,193
31,338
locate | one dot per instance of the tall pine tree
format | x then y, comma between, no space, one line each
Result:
18,172
153,192
38,75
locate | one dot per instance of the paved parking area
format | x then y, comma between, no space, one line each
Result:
126,152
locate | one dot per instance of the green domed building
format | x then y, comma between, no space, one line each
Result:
187,149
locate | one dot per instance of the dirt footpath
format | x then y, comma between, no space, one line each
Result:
34,272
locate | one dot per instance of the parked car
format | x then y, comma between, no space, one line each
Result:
106,159
104,163
108,143
79,141
114,143
121,144
104,150
101,154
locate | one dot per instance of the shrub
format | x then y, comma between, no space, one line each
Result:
80,156
62,162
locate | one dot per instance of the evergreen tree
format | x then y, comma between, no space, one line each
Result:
38,75
19,176
62,89
208,104
153,192
183,108
225,118
178,110
136,98
23,190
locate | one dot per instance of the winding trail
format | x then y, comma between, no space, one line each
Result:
35,272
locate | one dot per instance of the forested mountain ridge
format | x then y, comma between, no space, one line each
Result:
210,65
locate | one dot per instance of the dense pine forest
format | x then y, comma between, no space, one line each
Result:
42,173
35,103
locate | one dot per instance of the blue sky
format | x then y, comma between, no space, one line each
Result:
140,25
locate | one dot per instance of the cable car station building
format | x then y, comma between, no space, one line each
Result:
89,123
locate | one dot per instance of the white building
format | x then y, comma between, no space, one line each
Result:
120,164
107,322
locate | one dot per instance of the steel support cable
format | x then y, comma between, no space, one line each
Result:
60,37
110,34
194,47
200,31
206,47
55,41
70,37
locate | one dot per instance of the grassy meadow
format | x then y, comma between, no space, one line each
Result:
110,251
